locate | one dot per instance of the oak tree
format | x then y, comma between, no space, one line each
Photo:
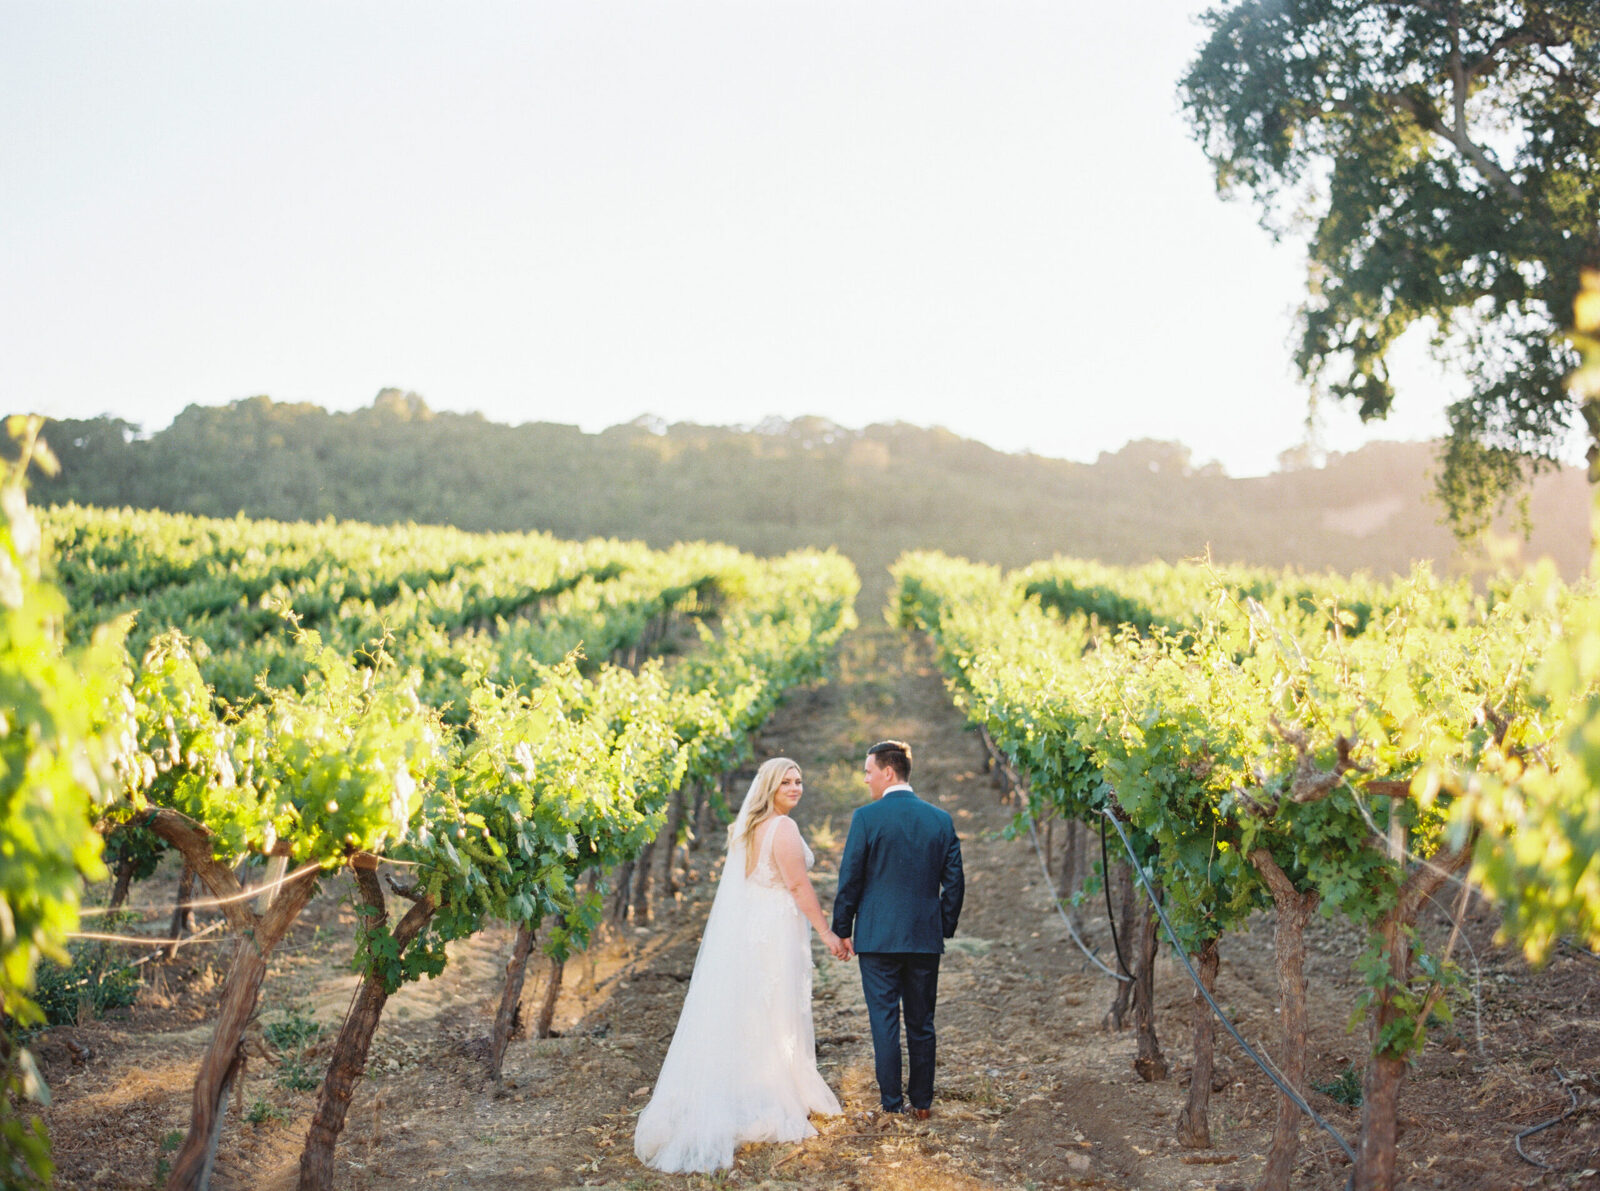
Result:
1444,158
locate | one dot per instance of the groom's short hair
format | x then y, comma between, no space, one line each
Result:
895,755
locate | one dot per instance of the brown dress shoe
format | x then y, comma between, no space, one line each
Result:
922,1114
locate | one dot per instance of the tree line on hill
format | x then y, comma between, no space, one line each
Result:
872,492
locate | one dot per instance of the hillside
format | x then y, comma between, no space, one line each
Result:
872,493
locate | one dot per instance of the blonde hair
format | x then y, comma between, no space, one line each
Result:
757,807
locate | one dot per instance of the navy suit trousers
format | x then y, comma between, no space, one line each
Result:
890,980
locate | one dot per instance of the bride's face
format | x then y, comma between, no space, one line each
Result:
788,793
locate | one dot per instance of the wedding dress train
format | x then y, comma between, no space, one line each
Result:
742,1065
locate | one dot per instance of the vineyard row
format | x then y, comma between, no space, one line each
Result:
484,747
1298,745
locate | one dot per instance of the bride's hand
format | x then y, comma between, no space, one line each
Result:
835,945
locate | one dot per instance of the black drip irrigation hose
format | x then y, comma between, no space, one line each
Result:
1566,1083
999,759
1576,949
1105,884
1066,921
1293,1096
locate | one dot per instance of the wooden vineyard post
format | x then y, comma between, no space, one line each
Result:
505,1020
1194,1128
119,892
1071,855
552,993
623,875
1124,995
669,874
1149,1061
558,967
698,816
1294,912
183,912
1380,1086
641,884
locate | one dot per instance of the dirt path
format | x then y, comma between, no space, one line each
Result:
1031,1092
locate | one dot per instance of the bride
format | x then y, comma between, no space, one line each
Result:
742,1066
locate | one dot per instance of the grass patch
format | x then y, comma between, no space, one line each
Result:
292,1036
96,980
169,1143
261,1113
1345,1088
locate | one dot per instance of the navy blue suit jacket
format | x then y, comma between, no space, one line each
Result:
900,880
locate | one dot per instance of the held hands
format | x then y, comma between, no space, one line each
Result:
839,948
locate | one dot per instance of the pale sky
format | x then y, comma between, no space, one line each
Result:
987,215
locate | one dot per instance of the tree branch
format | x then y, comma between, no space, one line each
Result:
415,919
1432,873
1485,164
412,893
1278,883
283,910
1510,40
1311,784
1429,120
1388,788
1436,988
1258,808
1458,74
193,843
371,893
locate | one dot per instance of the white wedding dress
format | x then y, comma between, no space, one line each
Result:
742,1066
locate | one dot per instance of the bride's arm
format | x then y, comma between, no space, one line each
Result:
788,853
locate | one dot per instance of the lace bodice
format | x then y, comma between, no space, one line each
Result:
766,870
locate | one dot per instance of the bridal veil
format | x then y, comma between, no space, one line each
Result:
742,1063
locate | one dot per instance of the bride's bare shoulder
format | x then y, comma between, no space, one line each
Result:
778,829
785,834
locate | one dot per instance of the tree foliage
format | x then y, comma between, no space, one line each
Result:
1541,850
1445,157
65,721
712,483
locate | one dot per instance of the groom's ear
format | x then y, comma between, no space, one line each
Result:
894,755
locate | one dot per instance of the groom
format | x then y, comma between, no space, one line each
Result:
900,887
